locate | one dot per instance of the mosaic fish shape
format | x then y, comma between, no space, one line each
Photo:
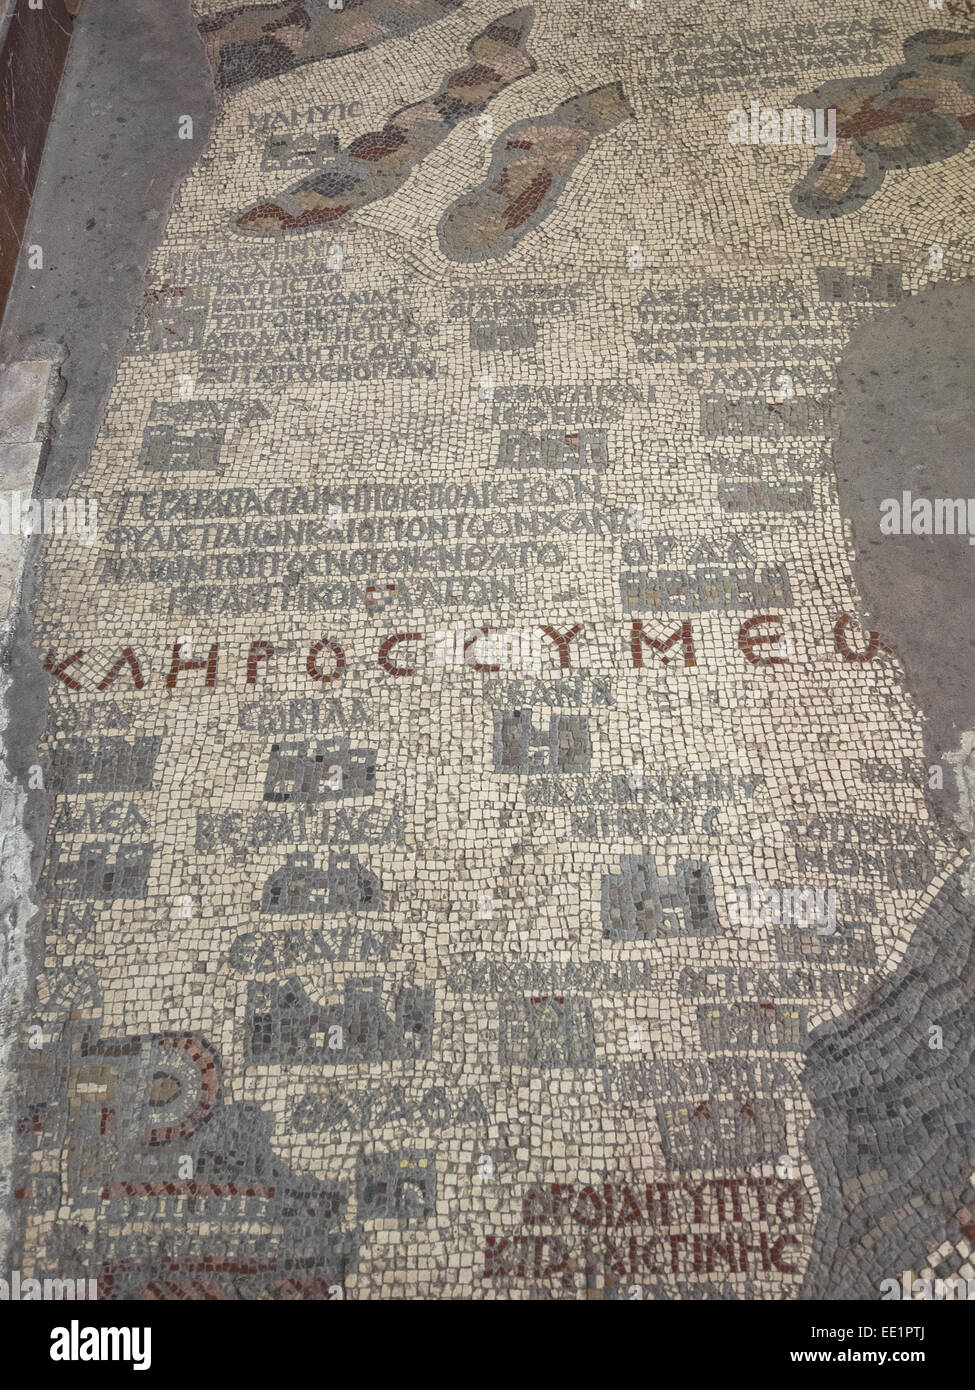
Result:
252,43
915,113
532,163
377,164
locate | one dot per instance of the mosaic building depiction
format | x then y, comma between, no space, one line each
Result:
472,668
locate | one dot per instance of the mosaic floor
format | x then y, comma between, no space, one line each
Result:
493,855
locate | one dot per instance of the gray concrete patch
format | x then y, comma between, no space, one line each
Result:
892,1143
29,392
905,421
111,165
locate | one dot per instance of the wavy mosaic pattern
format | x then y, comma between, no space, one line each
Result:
252,43
916,113
376,165
532,162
